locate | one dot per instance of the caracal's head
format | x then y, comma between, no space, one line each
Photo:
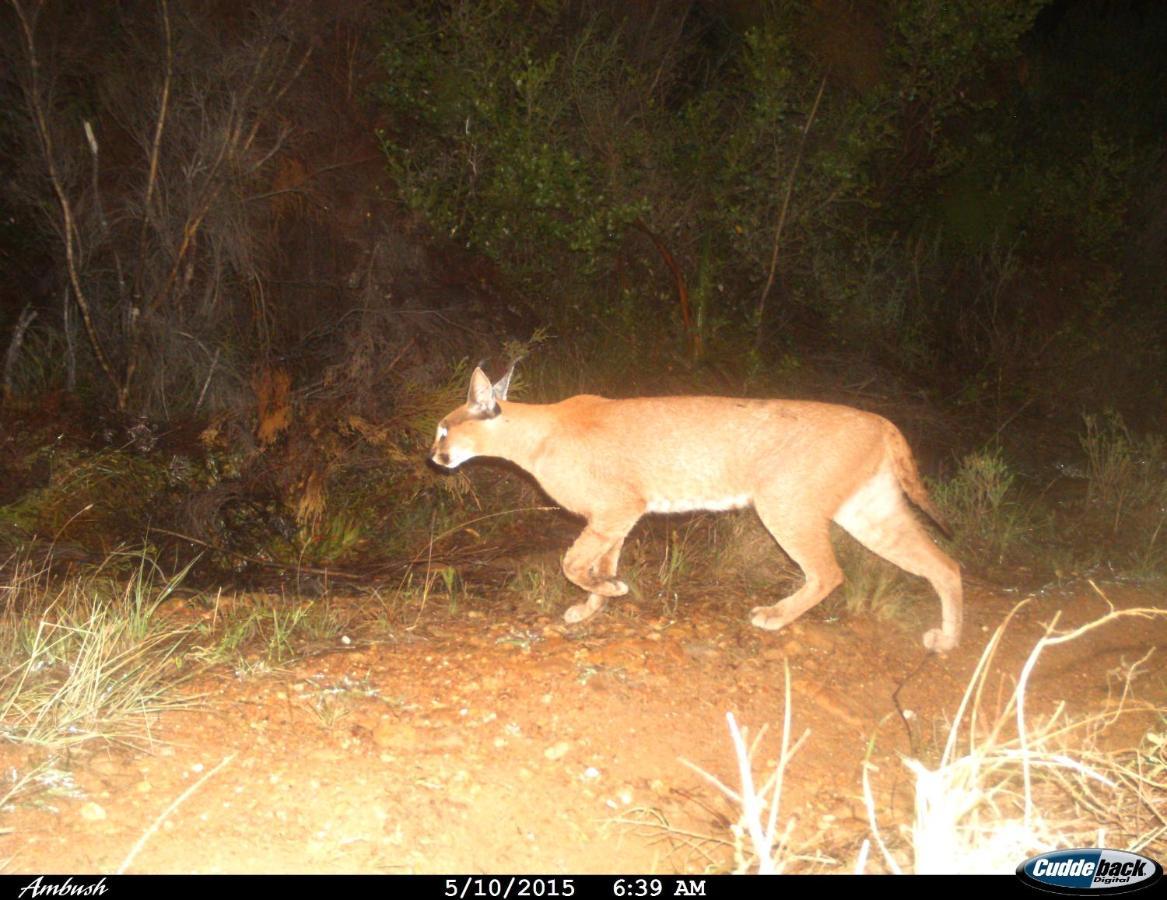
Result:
467,432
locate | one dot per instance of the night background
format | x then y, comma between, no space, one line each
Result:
251,253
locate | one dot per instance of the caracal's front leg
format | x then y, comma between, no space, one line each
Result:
591,563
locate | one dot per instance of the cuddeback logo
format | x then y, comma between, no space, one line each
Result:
1090,871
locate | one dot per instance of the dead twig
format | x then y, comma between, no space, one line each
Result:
69,226
760,310
27,315
162,817
692,336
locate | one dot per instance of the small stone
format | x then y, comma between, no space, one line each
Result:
105,765
391,733
557,751
93,812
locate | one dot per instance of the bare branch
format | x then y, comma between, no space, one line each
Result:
26,318
36,107
760,311
147,208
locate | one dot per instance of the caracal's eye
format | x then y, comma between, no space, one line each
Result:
442,431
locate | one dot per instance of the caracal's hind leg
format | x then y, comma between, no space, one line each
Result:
877,516
808,543
591,564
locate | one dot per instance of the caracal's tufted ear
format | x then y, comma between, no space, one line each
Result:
480,397
503,384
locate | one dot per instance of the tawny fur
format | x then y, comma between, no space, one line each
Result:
799,464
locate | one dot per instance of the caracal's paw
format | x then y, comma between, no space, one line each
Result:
936,640
608,587
770,618
581,612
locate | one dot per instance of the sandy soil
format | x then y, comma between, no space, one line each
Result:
497,740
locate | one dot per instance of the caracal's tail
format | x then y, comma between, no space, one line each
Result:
903,466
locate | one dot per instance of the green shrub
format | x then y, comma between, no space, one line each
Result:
1127,486
982,507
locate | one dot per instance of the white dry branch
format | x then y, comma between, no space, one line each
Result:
27,315
770,851
1007,787
166,813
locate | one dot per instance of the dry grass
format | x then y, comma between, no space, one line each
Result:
87,658
745,551
541,582
1010,785
872,586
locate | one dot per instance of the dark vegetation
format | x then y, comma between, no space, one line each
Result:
249,254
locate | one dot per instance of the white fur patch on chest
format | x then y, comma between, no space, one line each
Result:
686,504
